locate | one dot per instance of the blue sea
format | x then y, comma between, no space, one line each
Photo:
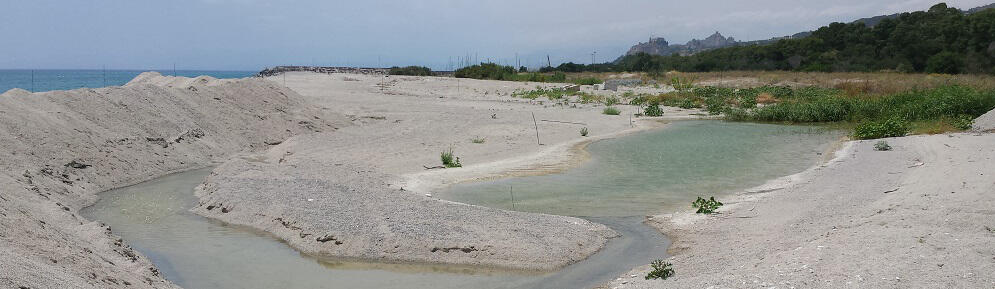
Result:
53,79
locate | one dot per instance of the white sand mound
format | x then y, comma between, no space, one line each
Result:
155,78
15,92
985,122
62,147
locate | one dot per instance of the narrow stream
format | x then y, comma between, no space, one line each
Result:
627,178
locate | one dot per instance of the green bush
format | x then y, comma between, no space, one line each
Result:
945,62
706,206
449,160
653,109
963,122
610,101
558,77
478,140
486,71
550,93
611,110
587,81
687,103
892,127
661,270
411,70
583,131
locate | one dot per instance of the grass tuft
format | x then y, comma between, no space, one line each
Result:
611,110
449,160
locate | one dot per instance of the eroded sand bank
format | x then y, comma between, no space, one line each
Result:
323,171
364,191
919,216
61,148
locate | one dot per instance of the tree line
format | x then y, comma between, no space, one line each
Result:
939,40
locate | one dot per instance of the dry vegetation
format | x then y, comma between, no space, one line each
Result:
876,105
853,83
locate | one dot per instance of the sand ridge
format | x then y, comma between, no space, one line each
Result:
61,148
914,217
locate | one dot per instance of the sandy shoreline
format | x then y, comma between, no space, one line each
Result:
908,218
64,147
408,124
335,167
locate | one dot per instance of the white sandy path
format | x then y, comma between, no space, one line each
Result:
920,216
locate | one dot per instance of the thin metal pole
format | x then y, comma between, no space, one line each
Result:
32,80
512,191
537,128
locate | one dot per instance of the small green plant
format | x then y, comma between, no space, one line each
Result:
449,160
963,122
661,270
682,84
611,110
706,206
610,101
892,127
653,109
478,140
687,103
882,146
587,97
583,131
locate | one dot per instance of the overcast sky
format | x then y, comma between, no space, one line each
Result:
252,34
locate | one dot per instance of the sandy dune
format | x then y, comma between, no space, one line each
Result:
61,148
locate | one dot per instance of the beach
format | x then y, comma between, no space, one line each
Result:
67,146
915,217
344,167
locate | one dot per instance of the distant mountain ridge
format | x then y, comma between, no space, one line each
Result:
660,46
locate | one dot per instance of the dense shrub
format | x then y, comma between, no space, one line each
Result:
893,127
500,72
587,81
411,70
485,71
653,109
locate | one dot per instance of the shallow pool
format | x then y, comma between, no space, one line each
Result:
626,178
196,252
660,170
